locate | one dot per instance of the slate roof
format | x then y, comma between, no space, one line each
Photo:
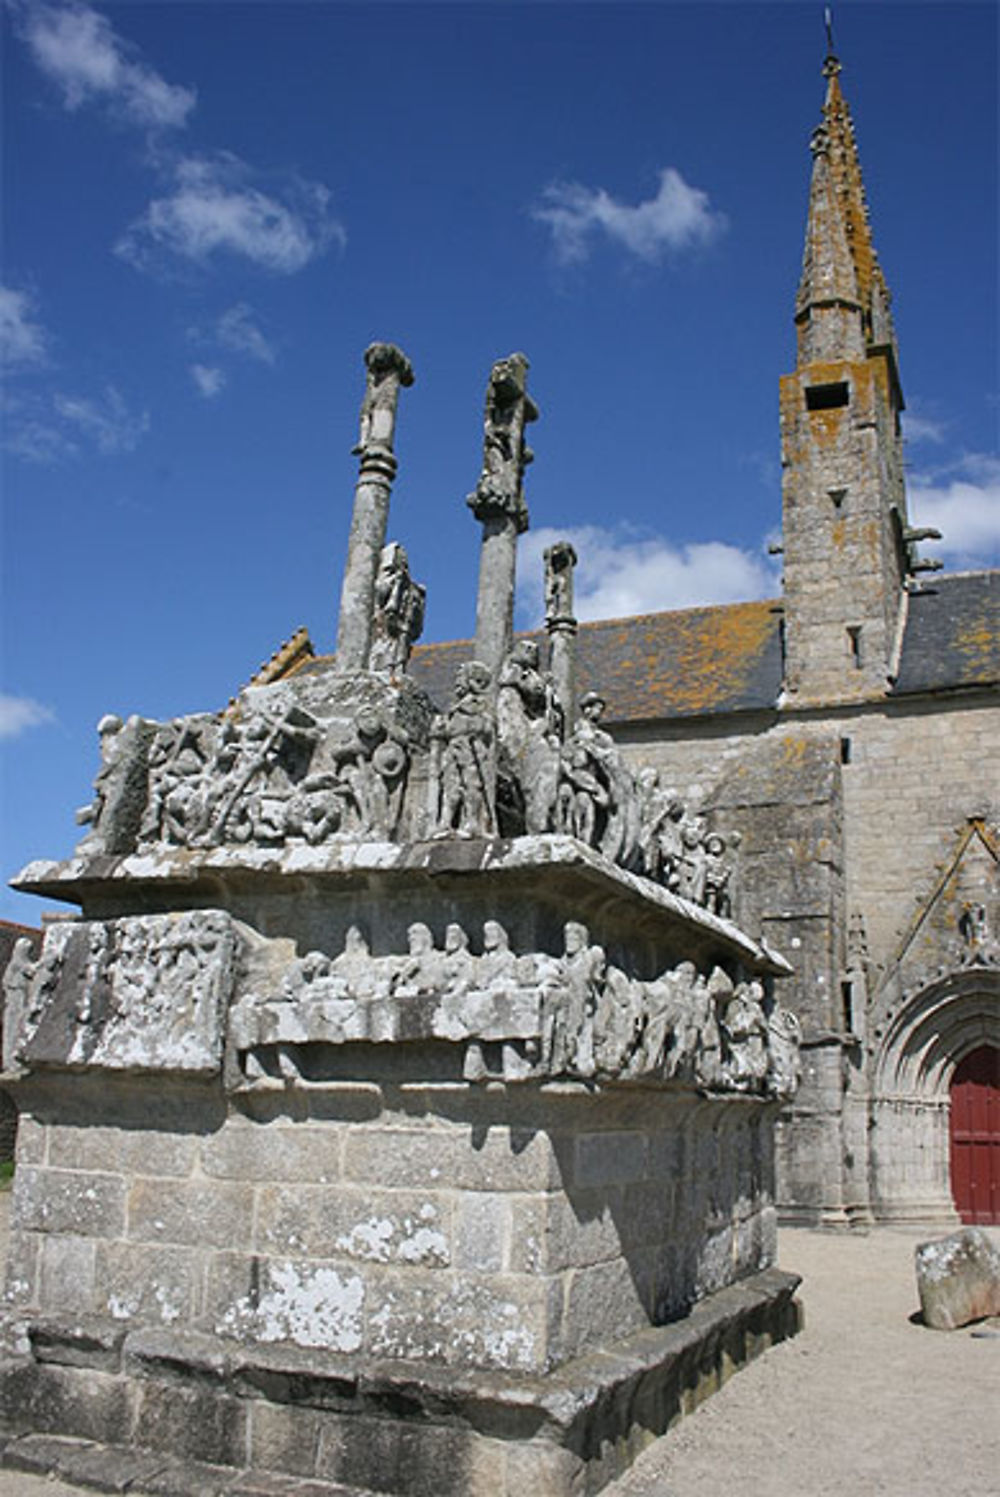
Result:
703,662
693,662
952,636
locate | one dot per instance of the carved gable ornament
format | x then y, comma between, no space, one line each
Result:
957,927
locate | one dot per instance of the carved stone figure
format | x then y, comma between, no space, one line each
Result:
509,409
718,874
784,1071
371,767
529,724
692,865
459,965
398,618
744,1034
387,368
422,969
498,964
463,770
616,824
569,1008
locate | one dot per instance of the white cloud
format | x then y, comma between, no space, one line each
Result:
209,380
107,423
237,330
963,502
214,208
78,49
18,714
620,573
22,341
922,428
677,218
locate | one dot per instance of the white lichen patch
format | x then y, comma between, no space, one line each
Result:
308,1304
384,1239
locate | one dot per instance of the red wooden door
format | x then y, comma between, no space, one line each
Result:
975,1136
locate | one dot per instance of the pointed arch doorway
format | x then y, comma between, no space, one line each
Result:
975,1135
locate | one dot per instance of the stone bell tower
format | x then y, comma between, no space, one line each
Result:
848,549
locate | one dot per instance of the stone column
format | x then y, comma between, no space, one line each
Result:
560,559
388,368
498,504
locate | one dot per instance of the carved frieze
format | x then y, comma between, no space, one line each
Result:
142,993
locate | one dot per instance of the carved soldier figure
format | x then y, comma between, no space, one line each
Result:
617,830
718,874
529,724
372,767
398,618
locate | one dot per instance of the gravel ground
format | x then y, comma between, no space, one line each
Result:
865,1400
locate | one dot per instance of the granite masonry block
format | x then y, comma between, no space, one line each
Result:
408,1460
128,1151
172,1419
482,1229
243,1150
500,1158
66,1274
378,1226
611,1158
133,1281
200,1213
21,1274
69,1201
284,1438
32,1138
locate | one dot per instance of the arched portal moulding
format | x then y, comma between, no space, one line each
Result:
922,1042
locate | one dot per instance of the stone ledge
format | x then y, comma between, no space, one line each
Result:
116,1468
462,1434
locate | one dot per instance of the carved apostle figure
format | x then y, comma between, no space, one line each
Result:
399,612
464,758
498,964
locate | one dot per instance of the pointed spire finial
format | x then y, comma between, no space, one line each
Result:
831,63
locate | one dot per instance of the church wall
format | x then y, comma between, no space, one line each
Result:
869,801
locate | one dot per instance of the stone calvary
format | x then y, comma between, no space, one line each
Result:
399,1109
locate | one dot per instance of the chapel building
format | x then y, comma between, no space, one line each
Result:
848,731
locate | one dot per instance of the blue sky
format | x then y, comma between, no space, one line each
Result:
210,209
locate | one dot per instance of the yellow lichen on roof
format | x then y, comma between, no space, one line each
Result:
712,654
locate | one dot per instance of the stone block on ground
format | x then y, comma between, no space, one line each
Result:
958,1279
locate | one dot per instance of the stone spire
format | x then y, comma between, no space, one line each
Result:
843,302
846,544
388,368
498,503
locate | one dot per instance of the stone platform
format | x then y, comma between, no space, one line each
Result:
389,1427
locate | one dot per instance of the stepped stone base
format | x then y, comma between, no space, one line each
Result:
388,1428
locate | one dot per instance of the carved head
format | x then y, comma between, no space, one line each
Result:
525,653
715,844
592,706
419,938
455,938
576,936
494,936
355,943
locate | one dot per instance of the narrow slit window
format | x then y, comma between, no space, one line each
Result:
845,751
826,397
854,645
847,1004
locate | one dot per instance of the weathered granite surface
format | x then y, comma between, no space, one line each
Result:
958,1279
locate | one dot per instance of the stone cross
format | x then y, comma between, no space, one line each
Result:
560,559
498,503
388,369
